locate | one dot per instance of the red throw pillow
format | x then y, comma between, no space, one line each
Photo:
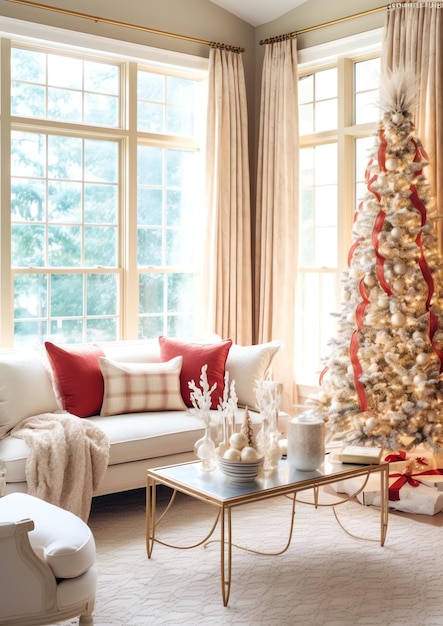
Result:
195,355
79,378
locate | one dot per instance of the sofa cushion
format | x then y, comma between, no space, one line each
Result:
247,365
195,356
59,537
25,388
78,377
137,387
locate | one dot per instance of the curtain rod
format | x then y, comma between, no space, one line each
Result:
145,29
339,20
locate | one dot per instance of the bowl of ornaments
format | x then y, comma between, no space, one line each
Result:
239,460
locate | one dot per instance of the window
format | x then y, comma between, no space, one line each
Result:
338,108
105,155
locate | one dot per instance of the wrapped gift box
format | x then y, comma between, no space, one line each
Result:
412,489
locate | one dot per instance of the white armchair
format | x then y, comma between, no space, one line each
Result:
47,558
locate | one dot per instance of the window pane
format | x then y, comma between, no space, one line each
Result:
28,154
101,110
150,166
150,247
326,84
102,78
65,157
101,161
306,89
28,65
66,295
152,293
28,100
366,98
64,71
100,203
64,246
102,290
65,202
325,115
64,105
30,295
28,245
28,200
101,246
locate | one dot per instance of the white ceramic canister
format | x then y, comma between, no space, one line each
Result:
306,442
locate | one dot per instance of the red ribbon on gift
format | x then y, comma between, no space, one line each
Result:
407,476
394,489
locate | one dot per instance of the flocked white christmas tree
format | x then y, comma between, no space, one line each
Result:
382,383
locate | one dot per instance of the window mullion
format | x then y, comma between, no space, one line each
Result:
128,233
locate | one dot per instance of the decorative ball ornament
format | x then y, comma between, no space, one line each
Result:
400,268
419,379
238,441
391,164
418,337
232,454
396,233
422,358
371,423
398,319
397,117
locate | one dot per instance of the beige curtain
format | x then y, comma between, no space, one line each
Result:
276,235
227,274
413,39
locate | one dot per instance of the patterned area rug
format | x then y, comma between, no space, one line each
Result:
326,578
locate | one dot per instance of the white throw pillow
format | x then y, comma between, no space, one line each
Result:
141,387
248,365
25,388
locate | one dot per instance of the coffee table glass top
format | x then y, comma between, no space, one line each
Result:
216,485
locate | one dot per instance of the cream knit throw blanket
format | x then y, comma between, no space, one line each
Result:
67,460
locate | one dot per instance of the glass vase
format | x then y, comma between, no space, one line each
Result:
267,444
205,450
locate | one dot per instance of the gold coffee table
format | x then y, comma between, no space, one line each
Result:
217,490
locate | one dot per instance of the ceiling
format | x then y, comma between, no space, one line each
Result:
257,12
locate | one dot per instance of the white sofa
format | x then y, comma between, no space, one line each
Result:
138,440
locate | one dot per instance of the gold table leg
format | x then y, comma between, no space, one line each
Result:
225,553
150,515
384,503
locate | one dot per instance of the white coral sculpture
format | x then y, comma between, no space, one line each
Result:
227,409
201,397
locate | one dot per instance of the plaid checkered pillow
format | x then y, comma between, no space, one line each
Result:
141,387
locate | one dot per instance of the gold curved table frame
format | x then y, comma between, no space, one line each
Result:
217,490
